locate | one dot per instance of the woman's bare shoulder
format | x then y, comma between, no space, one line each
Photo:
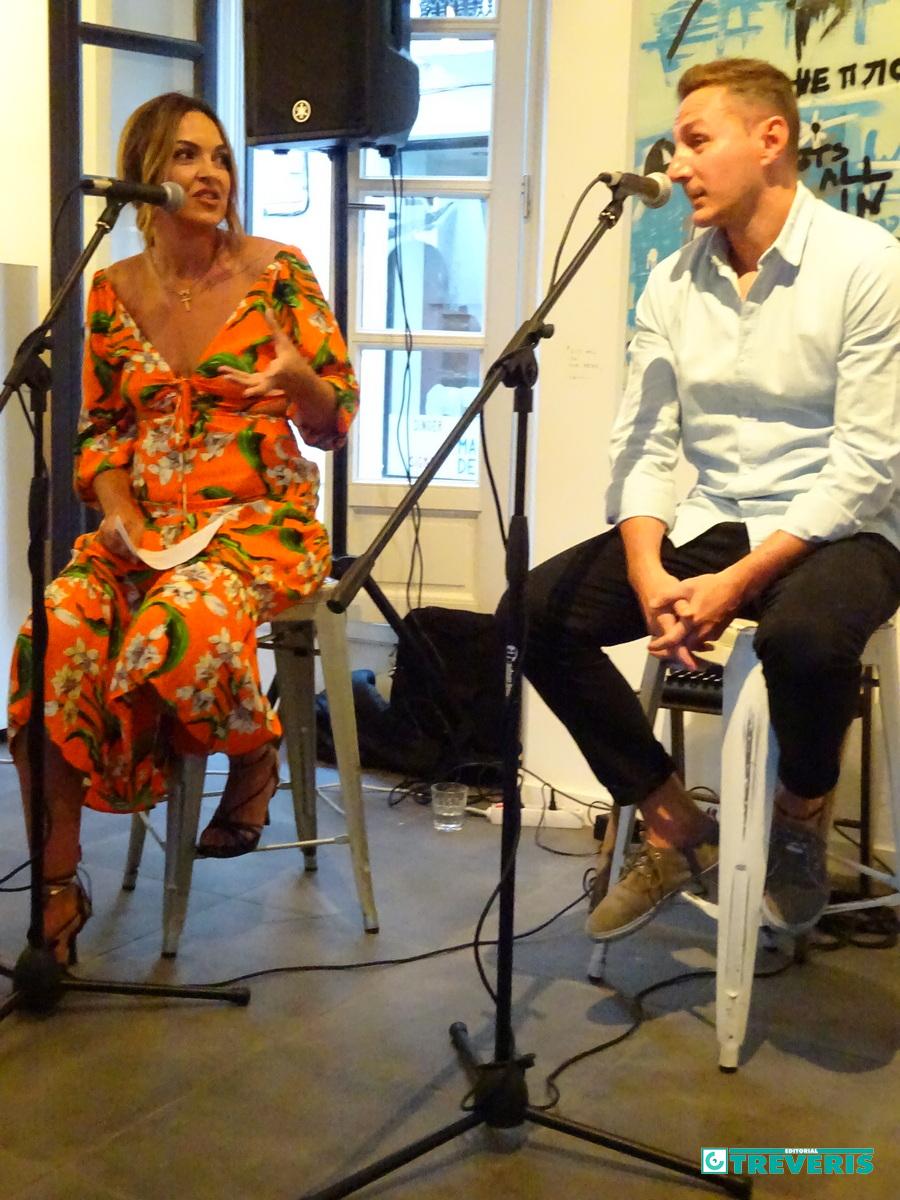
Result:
262,250
126,274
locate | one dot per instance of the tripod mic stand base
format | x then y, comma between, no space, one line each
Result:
40,982
500,1101
37,980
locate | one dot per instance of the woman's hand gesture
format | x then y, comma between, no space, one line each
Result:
265,391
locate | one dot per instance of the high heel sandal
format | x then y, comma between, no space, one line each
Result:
61,940
242,837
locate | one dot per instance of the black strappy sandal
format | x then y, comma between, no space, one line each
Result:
241,837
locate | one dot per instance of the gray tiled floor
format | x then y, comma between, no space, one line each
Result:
120,1099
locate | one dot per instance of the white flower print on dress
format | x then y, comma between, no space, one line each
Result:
202,700
207,669
243,718
319,321
84,660
67,681
169,465
198,572
225,649
149,360
139,654
160,437
214,445
215,605
283,476
180,591
68,618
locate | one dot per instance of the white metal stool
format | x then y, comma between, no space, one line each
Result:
295,633
748,776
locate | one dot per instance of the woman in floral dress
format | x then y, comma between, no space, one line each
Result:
205,353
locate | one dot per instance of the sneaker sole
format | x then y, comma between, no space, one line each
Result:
777,922
633,926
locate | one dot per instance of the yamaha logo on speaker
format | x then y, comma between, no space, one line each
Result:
369,96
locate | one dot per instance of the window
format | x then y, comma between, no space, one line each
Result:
455,227
418,324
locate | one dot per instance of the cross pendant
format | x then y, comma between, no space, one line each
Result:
185,297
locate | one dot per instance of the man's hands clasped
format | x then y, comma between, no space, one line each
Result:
686,616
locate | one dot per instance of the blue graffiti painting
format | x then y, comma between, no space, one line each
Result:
729,26
844,59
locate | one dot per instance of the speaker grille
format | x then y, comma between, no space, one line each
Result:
329,62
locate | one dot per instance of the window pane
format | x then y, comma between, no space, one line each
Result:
441,252
115,83
172,18
291,203
406,414
468,9
452,129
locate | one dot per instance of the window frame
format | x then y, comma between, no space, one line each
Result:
463,496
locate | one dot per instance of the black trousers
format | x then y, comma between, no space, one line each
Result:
813,625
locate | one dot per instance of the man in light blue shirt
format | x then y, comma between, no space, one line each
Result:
768,350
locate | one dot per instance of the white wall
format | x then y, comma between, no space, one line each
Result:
586,130
24,226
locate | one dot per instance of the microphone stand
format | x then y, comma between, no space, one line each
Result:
499,1091
39,981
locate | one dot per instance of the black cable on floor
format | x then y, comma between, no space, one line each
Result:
302,968
636,1003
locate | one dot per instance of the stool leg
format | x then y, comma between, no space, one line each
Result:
748,778
332,636
136,838
616,841
295,668
620,828
182,820
888,669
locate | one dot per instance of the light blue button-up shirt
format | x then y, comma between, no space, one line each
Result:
787,403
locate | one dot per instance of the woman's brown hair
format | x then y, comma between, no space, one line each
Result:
146,146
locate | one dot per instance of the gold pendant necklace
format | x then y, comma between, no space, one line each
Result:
186,294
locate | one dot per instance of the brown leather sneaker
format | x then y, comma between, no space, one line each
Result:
651,876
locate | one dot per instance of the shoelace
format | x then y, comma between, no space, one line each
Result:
644,860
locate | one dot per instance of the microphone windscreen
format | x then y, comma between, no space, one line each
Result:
176,196
664,184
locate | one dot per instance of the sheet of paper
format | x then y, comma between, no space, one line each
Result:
172,556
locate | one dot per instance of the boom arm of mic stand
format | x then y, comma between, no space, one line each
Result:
527,337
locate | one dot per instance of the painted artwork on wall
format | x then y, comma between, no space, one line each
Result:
844,58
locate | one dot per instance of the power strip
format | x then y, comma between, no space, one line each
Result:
554,818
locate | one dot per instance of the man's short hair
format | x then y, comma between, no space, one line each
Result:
752,79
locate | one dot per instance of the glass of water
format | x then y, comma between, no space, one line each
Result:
448,806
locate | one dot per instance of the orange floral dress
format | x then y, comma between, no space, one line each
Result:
195,453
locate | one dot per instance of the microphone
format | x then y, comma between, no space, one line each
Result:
168,195
654,189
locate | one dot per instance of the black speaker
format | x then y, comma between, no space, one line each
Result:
329,71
